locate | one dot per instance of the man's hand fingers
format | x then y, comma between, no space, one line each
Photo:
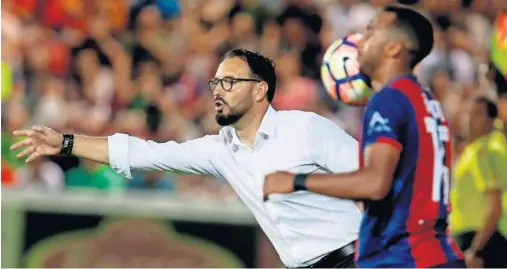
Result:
26,152
24,143
32,157
23,133
29,133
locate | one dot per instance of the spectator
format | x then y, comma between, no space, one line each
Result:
294,90
480,182
91,175
41,174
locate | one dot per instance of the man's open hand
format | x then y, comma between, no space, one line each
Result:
40,141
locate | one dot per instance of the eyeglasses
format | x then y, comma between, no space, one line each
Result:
227,82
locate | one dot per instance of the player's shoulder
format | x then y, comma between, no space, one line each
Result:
406,87
390,97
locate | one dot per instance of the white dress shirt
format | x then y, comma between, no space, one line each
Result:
302,226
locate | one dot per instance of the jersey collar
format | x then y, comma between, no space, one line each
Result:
407,76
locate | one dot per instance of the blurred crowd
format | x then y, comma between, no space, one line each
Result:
141,67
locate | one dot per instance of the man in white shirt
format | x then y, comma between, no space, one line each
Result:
306,229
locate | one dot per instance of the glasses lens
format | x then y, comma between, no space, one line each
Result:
227,83
213,84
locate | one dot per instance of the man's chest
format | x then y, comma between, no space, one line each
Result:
245,168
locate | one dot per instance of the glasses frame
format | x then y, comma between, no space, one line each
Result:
233,80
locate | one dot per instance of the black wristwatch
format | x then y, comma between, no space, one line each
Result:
67,144
300,182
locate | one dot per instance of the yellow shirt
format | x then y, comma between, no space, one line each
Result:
482,166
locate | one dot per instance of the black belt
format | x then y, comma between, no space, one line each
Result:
336,257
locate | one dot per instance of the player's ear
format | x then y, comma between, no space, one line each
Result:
393,48
261,90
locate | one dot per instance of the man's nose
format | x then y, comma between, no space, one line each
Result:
218,93
219,90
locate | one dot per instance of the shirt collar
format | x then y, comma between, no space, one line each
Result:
266,129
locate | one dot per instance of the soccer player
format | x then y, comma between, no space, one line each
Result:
307,230
405,154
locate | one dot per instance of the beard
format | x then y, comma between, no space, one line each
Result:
229,119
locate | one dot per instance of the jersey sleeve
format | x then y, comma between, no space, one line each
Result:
385,118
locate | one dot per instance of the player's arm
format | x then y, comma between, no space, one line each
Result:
124,153
384,118
492,173
372,182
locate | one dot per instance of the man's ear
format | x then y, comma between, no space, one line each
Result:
393,49
261,91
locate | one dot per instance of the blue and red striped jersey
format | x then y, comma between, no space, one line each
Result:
408,228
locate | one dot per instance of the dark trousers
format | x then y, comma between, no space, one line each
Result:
494,253
340,258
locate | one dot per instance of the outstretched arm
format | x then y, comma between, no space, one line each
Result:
125,153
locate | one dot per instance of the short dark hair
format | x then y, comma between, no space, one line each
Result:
261,67
418,27
491,107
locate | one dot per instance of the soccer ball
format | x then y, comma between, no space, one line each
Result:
340,72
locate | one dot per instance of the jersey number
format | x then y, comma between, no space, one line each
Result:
439,136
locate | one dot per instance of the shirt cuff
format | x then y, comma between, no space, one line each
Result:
118,146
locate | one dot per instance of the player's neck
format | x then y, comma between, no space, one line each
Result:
387,73
249,124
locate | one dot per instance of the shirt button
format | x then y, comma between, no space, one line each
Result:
420,222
